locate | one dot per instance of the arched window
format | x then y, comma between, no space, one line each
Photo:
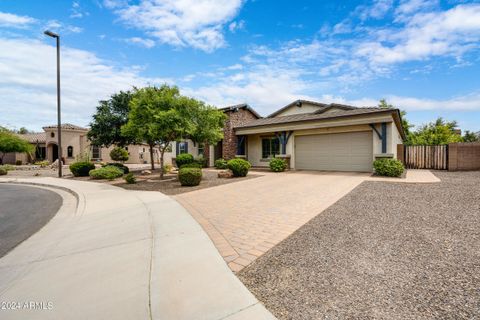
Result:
70,151
52,134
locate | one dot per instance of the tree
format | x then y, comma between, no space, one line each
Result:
111,115
158,116
403,114
471,136
23,130
119,154
10,142
436,133
207,126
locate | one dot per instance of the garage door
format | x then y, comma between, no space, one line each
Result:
351,151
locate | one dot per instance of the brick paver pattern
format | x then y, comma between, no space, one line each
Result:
246,219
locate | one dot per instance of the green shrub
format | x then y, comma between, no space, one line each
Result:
81,169
130,178
184,158
7,167
191,165
221,163
167,168
239,167
18,162
123,167
108,172
3,171
119,154
42,163
278,165
202,161
388,167
190,176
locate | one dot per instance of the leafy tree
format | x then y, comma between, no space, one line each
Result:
436,133
10,142
23,130
207,126
471,136
403,114
111,115
158,116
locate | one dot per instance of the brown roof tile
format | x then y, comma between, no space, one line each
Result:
313,116
34,137
67,126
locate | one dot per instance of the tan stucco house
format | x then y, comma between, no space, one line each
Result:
74,145
309,135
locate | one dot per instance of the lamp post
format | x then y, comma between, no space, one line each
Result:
59,122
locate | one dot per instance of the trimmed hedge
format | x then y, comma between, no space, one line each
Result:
119,154
81,169
388,167
221,163
239,167
191,165
123,167
190,176
108,172
3,171
130,178
278,165
183,158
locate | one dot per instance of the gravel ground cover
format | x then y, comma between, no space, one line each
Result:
172,186
384,251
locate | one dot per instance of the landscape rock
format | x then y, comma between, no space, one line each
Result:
146,172
225,174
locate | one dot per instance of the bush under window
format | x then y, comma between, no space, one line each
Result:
388,167
184,158
239,167
108,172
191,165
81,169
190,176
202,161
278,165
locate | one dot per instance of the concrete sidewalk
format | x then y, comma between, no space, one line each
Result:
110,253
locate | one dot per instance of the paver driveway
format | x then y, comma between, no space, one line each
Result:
247,218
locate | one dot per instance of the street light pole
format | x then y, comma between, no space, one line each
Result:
59,122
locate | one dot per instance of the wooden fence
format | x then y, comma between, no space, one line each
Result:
426,157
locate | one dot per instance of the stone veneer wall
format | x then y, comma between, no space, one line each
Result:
235,118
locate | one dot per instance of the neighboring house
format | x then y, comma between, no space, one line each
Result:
309,135
74,145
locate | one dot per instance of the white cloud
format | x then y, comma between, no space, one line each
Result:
236,25
28,83
15,21
195,23
377,10
77,11
58,26
147,43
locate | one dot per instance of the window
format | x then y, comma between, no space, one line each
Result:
201,148
96,154
70,151
52,134
182,147
270,147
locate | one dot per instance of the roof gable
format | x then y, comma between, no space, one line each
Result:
242,106
299,107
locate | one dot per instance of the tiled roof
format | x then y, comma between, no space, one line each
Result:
345,112
34,137
67,126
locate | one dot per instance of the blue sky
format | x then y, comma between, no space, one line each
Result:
421,55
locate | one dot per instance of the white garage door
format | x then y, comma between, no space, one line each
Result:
351,151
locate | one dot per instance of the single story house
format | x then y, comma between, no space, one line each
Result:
75,144
309,135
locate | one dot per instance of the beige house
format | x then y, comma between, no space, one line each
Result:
318,136
309,135
75,144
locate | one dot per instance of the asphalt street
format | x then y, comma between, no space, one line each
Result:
23,211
